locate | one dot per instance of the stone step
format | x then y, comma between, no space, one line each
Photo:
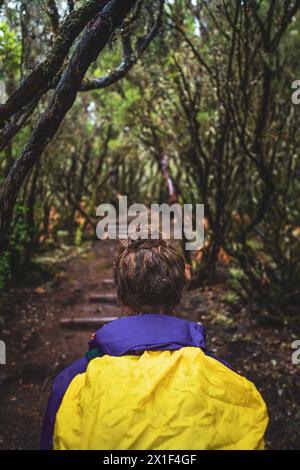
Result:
76,322
108,283
104,298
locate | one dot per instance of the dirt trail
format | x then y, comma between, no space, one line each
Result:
38,347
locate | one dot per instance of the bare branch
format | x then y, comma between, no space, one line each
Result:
52,12
129,59
46,70
18,121
71,5
94,39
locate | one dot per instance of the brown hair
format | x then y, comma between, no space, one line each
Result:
149,273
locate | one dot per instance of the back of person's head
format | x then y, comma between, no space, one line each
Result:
149,274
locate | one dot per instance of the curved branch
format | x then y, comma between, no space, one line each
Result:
52,12
71,5
129,58
46,70
192,47
18,121
94,39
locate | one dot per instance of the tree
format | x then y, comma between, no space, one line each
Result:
100,20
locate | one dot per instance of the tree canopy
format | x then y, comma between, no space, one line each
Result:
182,100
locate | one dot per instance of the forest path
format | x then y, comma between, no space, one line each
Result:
38,347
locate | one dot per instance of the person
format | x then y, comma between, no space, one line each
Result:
147,380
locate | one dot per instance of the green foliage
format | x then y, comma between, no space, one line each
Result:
78,235
10,51
5,270
20,230
11,261
212,95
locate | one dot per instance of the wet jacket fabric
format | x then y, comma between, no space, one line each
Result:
153,386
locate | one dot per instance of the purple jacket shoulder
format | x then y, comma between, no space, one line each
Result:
133,335
59,387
